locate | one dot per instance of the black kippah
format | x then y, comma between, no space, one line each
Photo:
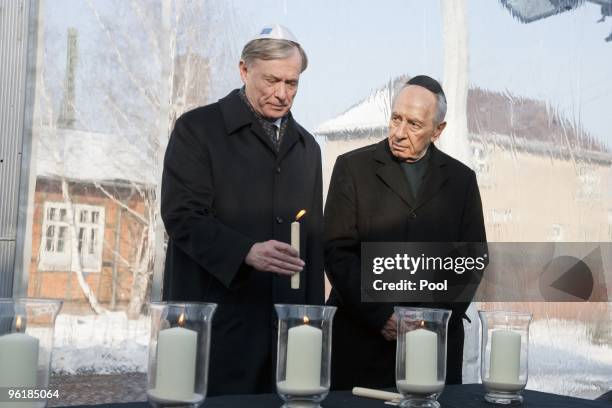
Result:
427,83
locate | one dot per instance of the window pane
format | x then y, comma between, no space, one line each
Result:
81,236
51,214
49,245
84,217
92,240
94,217
63,214
61,239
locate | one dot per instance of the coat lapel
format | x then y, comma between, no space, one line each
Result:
391,173
261,135
290,138
237,115
435,177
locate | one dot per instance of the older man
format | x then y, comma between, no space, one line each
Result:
236,172
400,189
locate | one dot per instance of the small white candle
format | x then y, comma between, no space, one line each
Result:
421,363
176,365
304,347
295,243
505,357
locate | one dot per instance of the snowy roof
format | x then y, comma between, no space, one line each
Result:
90,156
371,113
490,114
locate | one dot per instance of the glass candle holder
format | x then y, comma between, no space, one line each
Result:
304,354
420,360
26,342
504,355
179,353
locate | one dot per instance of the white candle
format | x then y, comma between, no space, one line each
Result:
421,363
295,243
18,360
304,347
18,363
505,357
176,365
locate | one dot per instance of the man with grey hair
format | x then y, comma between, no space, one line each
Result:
236,173
402,189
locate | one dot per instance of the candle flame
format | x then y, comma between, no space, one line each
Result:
18,323
306,320
300,214
181,320
422,324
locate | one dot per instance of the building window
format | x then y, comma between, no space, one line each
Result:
56,248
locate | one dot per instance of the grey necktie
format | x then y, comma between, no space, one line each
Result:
276,136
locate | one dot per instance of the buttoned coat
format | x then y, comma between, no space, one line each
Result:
224,188
369,201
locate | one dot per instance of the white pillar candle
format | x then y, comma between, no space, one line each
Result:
295,243
18,360
304,347
505,357
421,363
18,364
176,364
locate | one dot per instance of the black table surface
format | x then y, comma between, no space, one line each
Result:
454,396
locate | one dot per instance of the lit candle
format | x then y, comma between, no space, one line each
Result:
176,364
421,363
505,360
295,243
18,359
304,347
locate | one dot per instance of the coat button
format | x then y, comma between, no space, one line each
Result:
413,215
278,170
279,220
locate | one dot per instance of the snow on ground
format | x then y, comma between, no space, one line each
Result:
563,359
102,344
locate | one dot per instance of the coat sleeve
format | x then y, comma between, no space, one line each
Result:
343,250
187,197
315,293
473,236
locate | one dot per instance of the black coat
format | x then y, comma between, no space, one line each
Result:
224,188
369,201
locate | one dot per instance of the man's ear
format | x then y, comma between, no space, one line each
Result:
242,66
438,131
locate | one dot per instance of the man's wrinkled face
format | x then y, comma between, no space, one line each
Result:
271,85
412,128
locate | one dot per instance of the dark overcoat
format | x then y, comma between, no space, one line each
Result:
369,201
224,188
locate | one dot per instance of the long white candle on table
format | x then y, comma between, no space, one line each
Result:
295,243
505,361
176,364
304,347
421,363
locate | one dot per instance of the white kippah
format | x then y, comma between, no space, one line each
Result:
275,32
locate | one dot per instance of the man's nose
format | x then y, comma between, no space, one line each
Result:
281,91
401,130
